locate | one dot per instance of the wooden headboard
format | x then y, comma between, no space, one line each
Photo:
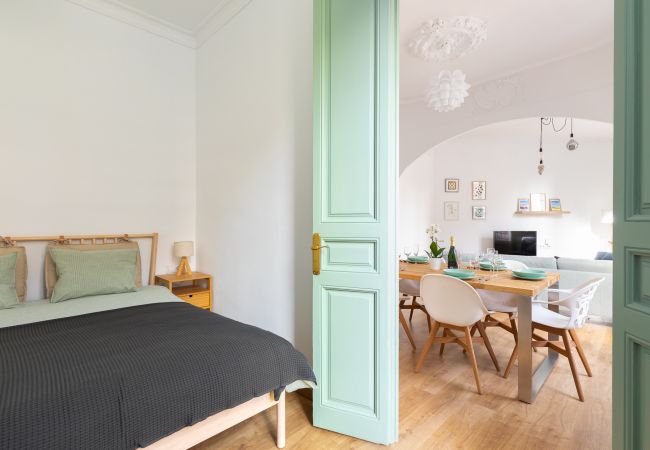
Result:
93,239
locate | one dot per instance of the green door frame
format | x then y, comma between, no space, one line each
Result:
631,361
355,212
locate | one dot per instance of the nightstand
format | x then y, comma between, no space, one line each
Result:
195,289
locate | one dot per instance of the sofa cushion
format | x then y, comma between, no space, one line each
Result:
537,262
585,265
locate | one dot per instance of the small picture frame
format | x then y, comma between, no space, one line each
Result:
555,205
538,202
452,185
479,189
478,212
452,211
523,205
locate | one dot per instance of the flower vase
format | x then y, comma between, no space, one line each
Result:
436,263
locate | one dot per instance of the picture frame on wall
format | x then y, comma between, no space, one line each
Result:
479,190
478,212
555,205
523,204
452,185
538,202
452,211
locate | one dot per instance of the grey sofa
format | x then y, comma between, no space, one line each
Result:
573,273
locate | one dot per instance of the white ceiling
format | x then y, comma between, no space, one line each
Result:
521,34
188,15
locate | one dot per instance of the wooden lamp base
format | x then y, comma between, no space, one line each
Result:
184,267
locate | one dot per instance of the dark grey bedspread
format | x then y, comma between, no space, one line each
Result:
125,378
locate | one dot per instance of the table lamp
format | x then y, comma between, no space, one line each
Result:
182,250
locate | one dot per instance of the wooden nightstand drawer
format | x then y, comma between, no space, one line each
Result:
195,289
200,299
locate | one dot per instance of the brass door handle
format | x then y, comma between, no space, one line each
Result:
315,252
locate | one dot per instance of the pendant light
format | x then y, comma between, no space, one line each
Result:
540,167
572,144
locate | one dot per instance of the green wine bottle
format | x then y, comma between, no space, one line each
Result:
452,263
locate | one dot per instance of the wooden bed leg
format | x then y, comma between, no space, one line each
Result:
281,434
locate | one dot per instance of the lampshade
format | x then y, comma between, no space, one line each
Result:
183,248
447,91
608,217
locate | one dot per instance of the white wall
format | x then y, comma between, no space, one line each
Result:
506,156
97,128
254,171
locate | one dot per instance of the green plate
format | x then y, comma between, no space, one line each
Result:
529,274
488,266
418,259
463,274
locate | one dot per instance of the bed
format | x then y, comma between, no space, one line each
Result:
135,370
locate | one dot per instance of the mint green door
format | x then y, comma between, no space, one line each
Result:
355,195
631,366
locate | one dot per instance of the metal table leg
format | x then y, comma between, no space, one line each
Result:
530,383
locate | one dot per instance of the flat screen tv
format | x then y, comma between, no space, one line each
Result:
516,242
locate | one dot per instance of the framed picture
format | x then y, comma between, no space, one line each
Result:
478,212
538,202
555,204
523,204
452,185
452,210
479,190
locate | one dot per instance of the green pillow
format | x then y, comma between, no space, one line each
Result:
101,272
8,296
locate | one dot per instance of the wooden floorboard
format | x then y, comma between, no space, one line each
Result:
439,407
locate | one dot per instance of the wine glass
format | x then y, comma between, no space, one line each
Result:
489,253
416,249
407,251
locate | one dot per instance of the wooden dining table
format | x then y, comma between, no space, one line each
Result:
530,380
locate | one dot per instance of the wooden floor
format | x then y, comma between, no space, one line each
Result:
439,407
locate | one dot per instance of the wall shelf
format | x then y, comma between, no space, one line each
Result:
541,213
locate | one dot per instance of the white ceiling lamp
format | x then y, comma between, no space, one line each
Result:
447,91
448,38
572,144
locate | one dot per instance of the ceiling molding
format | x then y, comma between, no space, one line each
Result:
223,13
139,19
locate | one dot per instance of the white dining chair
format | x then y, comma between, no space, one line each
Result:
411,288
503,303
454,306
576,304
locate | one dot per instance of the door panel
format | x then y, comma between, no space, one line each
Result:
355,195
631,365
351,188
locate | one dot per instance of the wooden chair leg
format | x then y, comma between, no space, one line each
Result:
412,308
442,346
424,310
427,347
511,361
472,334
402,321
513,325
581,352
572,363
481,330
472,358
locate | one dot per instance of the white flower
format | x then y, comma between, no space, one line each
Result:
433,231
